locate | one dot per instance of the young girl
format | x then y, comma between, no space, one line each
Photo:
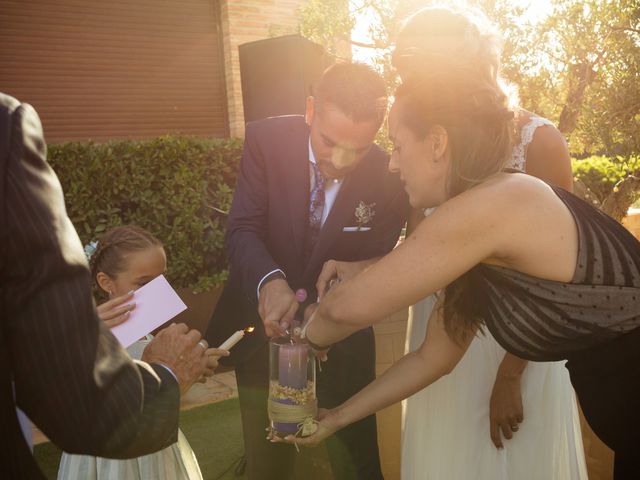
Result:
125,259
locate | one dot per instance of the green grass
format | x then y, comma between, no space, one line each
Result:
214,432
48,457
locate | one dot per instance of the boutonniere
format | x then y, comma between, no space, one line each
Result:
364,213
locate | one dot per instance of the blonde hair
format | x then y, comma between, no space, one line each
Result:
449,59
439,38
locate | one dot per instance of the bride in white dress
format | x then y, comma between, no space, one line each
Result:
446,428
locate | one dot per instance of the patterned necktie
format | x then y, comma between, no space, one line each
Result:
316,208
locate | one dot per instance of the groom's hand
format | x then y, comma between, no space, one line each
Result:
277,306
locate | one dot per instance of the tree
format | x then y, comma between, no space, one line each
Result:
579,67
327,22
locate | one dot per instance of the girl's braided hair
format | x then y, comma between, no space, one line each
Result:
114,246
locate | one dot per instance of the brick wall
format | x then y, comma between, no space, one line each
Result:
246,21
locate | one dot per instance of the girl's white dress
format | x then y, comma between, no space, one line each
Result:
445,434
176,462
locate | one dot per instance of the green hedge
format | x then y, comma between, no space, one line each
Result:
176,187
600,174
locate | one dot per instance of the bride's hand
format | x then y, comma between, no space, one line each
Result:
505,411
334,272
117,310
327,426
320,353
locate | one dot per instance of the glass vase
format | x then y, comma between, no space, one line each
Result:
292,403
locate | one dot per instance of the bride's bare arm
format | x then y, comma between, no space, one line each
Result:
505,405
547,158
437,356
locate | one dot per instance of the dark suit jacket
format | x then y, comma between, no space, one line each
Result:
71,376
269,217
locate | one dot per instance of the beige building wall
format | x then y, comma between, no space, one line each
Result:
246,21
390,339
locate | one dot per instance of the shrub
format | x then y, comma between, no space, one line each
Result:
610,184
177,187
600,174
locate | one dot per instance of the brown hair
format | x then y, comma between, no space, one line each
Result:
114,246
356,89
474,113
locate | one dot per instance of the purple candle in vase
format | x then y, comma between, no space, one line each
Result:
290,383
292,372
292,365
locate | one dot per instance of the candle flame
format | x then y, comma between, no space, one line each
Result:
249,329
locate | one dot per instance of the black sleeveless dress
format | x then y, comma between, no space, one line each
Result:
592,321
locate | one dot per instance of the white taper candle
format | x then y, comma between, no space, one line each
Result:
232,340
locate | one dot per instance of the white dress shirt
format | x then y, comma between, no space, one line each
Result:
331,189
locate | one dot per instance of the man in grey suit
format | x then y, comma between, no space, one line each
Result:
58,362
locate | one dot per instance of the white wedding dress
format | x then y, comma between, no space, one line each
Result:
445,427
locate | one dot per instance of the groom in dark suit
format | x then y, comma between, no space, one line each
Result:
309,189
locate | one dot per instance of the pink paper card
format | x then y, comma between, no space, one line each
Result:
156,303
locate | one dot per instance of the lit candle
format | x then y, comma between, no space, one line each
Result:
233,339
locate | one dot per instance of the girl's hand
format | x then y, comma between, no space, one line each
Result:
117,310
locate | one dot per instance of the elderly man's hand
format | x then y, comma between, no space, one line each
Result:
213,354
178,348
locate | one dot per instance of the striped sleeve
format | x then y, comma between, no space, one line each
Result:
72,377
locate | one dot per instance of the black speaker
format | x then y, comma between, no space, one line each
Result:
277,75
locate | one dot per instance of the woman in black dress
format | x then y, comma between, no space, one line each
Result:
550,276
